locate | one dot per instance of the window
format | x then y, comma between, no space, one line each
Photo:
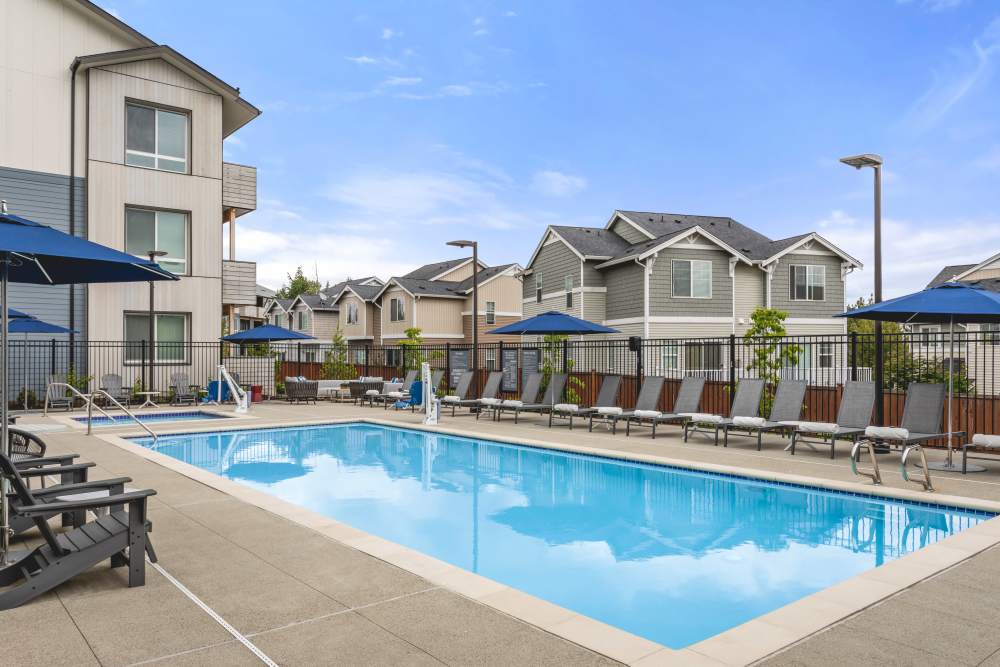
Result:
147,230
671,357
691,278
538,288
991,333
156,138
703,356
352,313
928,335
568,286
491,359
305,320
807,282
393,356
169,337
491,312
396,313
358,354
825,355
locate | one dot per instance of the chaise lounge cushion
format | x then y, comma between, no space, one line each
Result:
983,440
373,392
566,407
749,422
817,427
887,432
490,401
609,410
647,414
450,399
702,417
511,403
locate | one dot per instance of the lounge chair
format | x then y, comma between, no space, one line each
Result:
388,397
489,394
461,392
982,441
529,395
746,403
301,390
122,537
607,397
688,399
80,490
786,411
649,400
922,417
112,385
59,397
183,390
414,399
360,388
553,394
27,450
853,417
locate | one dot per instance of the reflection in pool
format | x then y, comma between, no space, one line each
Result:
670,554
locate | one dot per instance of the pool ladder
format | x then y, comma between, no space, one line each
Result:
875,475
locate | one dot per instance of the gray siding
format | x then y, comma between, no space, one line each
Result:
628,232
834,298
239,187
625,290
662,303
239,282
591,276
44,198
554,262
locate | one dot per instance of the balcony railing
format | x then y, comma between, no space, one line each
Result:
239,283
239,187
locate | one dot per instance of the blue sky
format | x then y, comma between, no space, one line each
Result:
391,127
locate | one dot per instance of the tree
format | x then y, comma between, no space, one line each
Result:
769,353
413,350
552,350
298,284
336,365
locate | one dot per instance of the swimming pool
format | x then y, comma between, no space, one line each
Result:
670,554
154,417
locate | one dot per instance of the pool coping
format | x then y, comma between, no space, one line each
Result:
749,642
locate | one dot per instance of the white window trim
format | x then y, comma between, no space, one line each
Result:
156,236
186,361
156,139
491,313
791,282
392,309
692,262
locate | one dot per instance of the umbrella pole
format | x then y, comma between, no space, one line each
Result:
4,441
951,382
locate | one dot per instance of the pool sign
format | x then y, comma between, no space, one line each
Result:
458,363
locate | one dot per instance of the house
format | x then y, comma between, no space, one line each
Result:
117,139
437,299
664,275
279,313
360,315
249,317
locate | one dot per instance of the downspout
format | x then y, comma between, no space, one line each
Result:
845,270
732,278
72,197
768,274
648,271
582,317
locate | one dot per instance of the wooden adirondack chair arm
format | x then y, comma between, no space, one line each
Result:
38,461
55,470
66,489
91,503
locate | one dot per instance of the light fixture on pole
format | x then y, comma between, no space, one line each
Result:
475,308
152,254
875,162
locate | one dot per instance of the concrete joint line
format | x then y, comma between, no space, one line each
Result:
215,616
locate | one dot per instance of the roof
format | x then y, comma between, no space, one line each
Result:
265,291
359,286
423,287
947,273
284,304
749,242
428,271
592,241
115,22
483,275
318,302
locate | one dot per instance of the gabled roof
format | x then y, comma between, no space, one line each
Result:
115,22
983,264
236,112
316,302
362,290
448,289
484,276
283,304
949,273
746,241
592,242
648,248
266,292
432,271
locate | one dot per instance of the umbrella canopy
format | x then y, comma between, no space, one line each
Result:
33,325
950,302
17,314
553,322
266,333
40,255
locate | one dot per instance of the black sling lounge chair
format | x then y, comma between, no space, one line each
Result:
685,404
461,392
607,397
401,394
853,416
746,403
785,414
529,396
922,417
553,394
119,536
489,394
649,400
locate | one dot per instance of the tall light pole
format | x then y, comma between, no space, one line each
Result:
875,162
153,254
475,309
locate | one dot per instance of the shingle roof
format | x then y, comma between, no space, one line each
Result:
264,291
366,292
949,272
592,241
482,275
428,271
751,243
422,287
318,302
284,303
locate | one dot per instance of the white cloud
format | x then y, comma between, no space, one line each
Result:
402,81
510,14
558,184
970,69
912,252
458,90
373,60
934,6
479,27
389,33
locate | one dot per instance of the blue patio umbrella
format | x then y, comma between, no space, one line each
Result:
266,333
553,323
40,255
17,314
950,303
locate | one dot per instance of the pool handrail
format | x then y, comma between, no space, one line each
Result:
87,398
90,414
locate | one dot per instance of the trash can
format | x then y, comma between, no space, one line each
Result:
257,393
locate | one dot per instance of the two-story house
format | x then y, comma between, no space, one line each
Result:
664,275
110,136
360,316
437,299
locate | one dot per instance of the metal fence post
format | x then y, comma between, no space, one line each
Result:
853,355
447,363
368,349
732,369
565,354
879,379
52,360
638,366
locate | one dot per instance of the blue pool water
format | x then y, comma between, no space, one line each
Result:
670,554
125,420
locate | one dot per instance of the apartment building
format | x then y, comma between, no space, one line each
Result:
110,136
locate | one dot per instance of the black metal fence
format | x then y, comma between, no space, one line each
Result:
824,361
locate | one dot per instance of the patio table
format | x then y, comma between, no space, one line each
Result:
149,398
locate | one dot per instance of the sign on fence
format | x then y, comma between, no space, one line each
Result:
509,366
458,363
529,361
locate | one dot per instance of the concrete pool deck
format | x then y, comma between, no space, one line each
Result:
306,597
